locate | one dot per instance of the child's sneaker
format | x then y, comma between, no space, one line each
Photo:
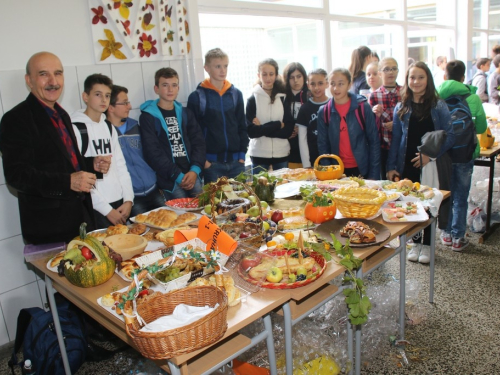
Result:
459,244
414,253
446,238
425,255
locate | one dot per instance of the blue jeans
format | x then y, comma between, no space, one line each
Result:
256,168
178,192
147,202
461,176
230,169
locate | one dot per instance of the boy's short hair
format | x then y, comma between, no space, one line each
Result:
440,60
96,79
318,71
165,73
214,53
455,70
496,60
496,49
115,91
482,61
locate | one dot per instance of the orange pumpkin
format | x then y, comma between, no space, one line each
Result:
486,139
320,214
332,172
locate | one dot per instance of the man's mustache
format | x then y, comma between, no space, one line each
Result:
53,87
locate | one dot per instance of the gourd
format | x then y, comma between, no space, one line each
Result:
486,139
330,172
319,214
91,272
265,190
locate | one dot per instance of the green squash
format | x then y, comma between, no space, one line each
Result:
91,272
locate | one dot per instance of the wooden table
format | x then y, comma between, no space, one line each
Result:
203,361
491,155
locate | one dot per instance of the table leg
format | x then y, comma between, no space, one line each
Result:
270,344
57,324
402,287
357,332
174,369
349,345
433,258
487,232
287,315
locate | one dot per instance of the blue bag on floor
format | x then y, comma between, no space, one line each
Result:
35,327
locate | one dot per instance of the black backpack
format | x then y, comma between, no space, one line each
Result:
35,328
463,127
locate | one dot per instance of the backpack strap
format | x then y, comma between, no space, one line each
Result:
110,127
23,321
82,128
360,115
327,112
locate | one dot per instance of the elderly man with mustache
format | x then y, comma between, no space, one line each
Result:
41,159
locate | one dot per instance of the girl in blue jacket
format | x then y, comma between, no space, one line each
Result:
419,112
348,129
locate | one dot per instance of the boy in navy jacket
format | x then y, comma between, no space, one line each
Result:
219,109
173,142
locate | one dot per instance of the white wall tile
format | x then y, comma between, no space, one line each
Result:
130,76
9,214
148,75
135,113
83,72
13,88
13,269
71,99
15,300
4,336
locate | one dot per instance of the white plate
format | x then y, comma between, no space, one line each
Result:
420,216
178,212
289,189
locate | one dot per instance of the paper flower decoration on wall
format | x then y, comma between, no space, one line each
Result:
111,47
99,15
147,45
123,6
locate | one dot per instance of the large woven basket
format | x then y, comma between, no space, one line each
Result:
182,340
359,203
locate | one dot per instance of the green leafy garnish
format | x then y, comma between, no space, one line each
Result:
357,301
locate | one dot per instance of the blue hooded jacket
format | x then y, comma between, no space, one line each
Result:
365,143
157,150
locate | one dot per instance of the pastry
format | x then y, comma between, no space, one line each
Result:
57,259
161,218
294,222
138,229
232,204
183,219
359,232
141,218
117,229
99,235
167,236
299,174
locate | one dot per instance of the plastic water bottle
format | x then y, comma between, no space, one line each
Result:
28,368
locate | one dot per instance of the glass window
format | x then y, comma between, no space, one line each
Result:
249,39
388,9
480,17
479,45
300,3
431,11
494,15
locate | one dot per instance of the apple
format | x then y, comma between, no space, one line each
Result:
277,216
208,209
274,275
252,199
253,211
251,261
266,226
264,204
292,278
301,271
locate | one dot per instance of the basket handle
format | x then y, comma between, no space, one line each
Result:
331,156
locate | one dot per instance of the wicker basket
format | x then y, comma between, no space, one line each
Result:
182,340
359,203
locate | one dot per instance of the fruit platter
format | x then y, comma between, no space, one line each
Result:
282,269
395,212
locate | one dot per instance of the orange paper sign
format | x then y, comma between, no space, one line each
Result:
211,234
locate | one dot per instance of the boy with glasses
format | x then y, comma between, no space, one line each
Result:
147,196
383,101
